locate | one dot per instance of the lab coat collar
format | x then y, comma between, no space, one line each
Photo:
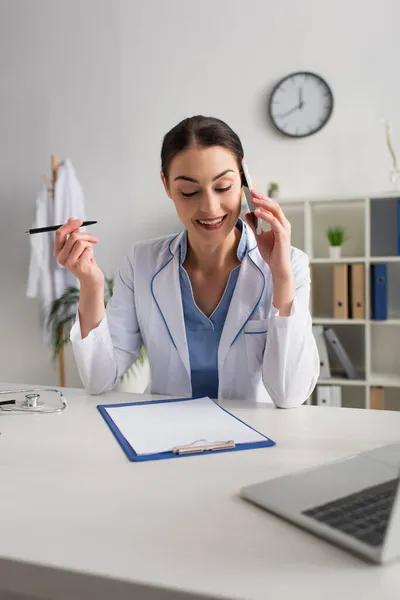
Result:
248,292
170,305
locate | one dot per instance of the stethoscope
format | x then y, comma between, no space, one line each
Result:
32,403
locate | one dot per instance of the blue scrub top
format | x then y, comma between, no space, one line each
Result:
203,333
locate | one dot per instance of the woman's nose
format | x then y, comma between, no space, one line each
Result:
210,204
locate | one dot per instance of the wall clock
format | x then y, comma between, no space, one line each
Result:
300,104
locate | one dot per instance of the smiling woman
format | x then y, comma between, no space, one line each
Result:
222,313
201,159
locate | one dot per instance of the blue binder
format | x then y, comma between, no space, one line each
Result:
131,454
398,226
379,292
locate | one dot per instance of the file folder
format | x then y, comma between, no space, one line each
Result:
357,291
171,421
324,395
336,393
337,349
329,395
325,370
340,291
385,226
398,226
377,398
379,292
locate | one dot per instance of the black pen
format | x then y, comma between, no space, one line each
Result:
55,227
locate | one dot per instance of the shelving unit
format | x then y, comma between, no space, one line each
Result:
372,345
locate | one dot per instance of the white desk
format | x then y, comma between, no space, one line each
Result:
78,520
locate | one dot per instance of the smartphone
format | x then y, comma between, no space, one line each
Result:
247,187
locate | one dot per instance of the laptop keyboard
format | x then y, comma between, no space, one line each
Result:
363,515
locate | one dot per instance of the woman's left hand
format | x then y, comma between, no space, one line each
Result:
274,245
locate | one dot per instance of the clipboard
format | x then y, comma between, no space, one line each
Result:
194,449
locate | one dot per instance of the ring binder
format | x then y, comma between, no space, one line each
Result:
204,447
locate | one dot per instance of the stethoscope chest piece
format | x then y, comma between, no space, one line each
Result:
32,401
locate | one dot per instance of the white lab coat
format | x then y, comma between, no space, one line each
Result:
261,354
47,279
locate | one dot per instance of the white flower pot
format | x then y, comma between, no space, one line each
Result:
335,251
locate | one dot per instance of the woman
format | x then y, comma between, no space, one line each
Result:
222,313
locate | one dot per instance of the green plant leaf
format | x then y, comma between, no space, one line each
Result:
335,236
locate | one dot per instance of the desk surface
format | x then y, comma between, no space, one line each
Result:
79,520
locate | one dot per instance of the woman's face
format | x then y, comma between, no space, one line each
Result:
205,185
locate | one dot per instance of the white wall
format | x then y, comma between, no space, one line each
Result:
101,81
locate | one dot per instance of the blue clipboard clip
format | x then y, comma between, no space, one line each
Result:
203,446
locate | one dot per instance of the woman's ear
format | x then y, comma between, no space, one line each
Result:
165,184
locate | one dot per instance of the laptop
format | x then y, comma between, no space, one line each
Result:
354,503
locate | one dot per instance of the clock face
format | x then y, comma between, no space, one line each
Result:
300,104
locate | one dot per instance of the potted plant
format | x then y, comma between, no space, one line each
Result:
273,190
335,237
60,321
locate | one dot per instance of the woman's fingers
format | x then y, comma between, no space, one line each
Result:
88,237
63,232
76,253
270,218
265,203
251,220
69,245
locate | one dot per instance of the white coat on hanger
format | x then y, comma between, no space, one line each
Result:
47,279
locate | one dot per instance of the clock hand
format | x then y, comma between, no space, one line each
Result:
289,112
301,102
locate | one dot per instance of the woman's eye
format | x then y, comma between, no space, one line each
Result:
226,189
219,190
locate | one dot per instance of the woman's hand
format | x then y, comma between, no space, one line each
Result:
274,245
74,251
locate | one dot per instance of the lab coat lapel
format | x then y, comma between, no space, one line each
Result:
166,291
246,298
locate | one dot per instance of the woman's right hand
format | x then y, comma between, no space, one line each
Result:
74,251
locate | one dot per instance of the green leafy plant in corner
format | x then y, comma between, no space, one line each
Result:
273,188
62,316
335,236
